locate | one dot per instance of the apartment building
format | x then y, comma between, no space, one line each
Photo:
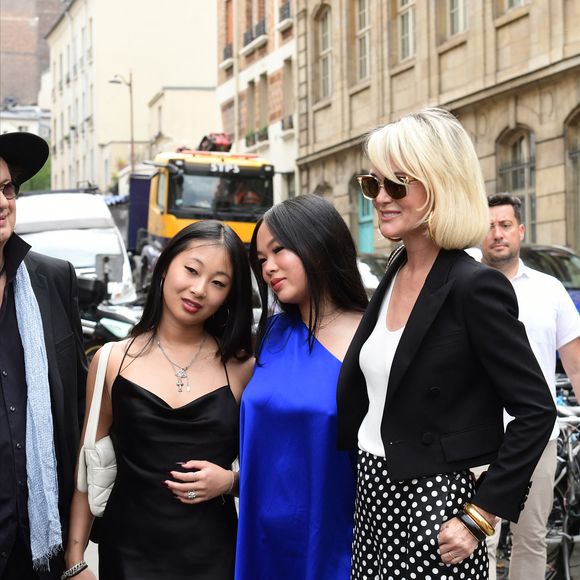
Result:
509,69
256,92
23,48
129,78
32,119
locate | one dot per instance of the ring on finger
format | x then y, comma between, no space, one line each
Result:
191,494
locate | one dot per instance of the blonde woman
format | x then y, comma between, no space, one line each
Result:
438,355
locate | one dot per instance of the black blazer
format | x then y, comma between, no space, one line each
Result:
55,286
462,358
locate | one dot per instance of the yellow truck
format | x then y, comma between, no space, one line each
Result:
194,185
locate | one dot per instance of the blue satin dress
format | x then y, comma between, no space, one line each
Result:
297,491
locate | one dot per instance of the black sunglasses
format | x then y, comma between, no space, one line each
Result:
371,186
9,189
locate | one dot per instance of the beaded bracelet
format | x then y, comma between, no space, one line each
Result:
473,528
74,570
481,522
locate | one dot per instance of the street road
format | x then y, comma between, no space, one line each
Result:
92,559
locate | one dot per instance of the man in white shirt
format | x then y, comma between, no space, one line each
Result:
552,323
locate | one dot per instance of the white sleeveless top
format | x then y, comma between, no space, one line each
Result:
375,359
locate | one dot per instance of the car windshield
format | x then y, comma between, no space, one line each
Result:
225,193
557,262
79,247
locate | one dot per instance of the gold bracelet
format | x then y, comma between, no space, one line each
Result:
481,522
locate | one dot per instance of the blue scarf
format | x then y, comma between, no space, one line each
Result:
45,531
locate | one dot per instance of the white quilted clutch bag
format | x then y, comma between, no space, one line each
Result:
97,462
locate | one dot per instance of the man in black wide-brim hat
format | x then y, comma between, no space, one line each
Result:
42,383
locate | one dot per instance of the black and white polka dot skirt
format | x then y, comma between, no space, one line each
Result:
397,522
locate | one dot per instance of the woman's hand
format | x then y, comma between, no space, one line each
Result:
455,542
202,482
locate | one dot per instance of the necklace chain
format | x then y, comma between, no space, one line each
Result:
181,372
325,323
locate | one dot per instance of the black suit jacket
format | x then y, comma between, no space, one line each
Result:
55,286
462,358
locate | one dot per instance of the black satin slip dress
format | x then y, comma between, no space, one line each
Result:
146,532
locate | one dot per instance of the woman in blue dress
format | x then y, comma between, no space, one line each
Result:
297,491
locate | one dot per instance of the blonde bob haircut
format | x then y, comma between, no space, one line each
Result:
432,146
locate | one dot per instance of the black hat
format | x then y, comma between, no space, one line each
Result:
25,154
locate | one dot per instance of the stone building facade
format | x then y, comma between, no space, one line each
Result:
256,92
23,48
509,70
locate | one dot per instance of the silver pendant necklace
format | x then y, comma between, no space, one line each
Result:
181,372
331,318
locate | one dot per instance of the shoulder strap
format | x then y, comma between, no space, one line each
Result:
125,355
95,410
227,376
396,253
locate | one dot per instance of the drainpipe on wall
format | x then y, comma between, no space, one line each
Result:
236,72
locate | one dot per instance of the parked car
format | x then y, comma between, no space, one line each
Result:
371,268
557,261
78,227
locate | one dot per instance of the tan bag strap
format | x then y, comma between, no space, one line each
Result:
95,410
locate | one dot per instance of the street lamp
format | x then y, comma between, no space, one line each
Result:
120,80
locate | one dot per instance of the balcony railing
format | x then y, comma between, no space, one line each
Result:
260,28
228,51
284,17
248,36
287,123
253,137
254,38
250,138
284,12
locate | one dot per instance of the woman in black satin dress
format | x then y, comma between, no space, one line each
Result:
171,407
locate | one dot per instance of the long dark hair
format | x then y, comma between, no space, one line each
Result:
232,323
312,228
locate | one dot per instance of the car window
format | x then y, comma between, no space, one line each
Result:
561,264
371,269
79,247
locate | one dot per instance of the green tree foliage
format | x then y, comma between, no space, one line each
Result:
41,181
